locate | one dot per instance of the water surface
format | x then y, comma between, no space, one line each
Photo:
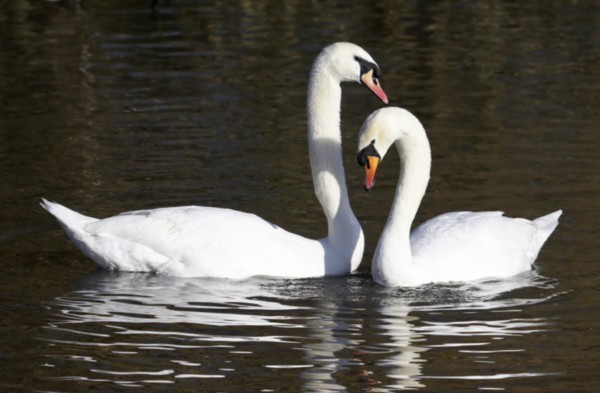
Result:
110,107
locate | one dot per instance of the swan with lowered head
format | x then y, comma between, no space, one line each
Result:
194,241
458,246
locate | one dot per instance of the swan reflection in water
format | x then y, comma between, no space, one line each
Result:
332,333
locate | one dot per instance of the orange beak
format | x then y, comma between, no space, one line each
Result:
370,169
373,84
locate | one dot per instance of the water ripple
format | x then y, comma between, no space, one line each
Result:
325,333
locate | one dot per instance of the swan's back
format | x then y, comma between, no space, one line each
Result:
463,246
193,241
228,242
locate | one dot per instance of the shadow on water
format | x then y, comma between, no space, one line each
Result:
332,334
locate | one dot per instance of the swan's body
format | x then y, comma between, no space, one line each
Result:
459,246
195,241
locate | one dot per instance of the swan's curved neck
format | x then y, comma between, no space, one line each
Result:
325,146
393,262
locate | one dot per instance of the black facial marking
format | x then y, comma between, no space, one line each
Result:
366,66
367,151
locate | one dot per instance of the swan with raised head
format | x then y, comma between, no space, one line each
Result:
458,246
194,241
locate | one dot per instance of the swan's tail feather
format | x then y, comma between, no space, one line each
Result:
545,226
108,252
71,221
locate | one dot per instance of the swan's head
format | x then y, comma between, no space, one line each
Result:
348,62
378,132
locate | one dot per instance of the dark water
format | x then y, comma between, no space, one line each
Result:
107,107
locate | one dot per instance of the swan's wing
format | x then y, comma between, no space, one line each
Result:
204,241
184,225
464,245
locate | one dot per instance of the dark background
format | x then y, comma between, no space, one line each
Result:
108,107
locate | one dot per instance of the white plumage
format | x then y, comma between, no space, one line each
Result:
194,241
197,241
458,246
474,245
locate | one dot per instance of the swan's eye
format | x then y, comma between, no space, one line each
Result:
373,142
364,153
366,66
361,158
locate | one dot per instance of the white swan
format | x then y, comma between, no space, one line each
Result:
459,246
195,241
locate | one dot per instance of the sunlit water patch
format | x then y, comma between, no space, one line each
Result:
334,334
